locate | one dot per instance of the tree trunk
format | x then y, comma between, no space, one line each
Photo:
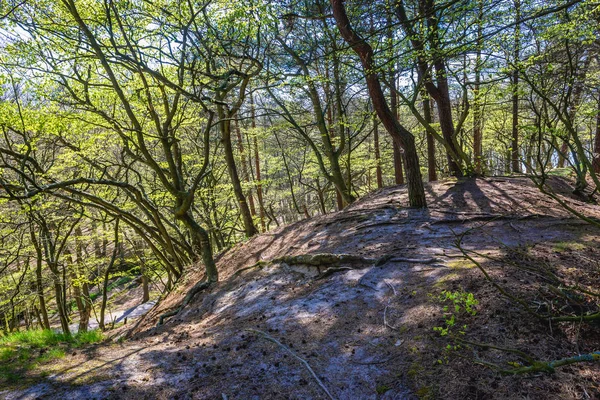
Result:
400,135
597,140
428,115
86,311
245,174
259,191
477,109
225,125
201,243
377,154
398,172
516,165
45,323
60,301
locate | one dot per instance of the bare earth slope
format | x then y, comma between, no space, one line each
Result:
366,331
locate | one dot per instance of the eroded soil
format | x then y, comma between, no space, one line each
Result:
367,332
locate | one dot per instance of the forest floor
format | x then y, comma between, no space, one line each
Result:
367,331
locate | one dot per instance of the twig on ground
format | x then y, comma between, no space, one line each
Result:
303,361
385,323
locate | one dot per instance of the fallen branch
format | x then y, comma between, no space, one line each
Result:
535,366
303,361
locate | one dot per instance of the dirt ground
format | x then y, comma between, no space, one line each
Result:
367,331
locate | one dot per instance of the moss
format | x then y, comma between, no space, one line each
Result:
381,389
414,370
460,264
568,246
424,392
445,279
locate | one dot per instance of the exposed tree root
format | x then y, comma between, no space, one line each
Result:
197,288
333,261
293,354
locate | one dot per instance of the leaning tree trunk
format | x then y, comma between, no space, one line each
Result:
225,125
416,191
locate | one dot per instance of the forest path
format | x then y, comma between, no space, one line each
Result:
117,316
366,332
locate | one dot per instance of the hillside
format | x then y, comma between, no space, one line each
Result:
365,324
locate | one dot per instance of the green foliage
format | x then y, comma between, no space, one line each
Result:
457,305
37,339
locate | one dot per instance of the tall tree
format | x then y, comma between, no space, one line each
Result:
399,133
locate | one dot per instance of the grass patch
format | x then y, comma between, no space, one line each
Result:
23,351
564,172
460,264
568,246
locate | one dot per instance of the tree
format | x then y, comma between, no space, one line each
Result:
399,134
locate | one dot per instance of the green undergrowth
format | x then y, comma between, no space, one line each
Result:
23,351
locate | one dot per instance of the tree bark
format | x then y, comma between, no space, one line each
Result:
398,170
431,167
259,191
516,165
477,106
377,154
39,282
597,139
107,272
440,90
245,174
225,125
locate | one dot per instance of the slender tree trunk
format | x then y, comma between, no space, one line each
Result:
516,165
377,154
45,323
245,174
597,140
331,152
477,112
259,191
428,115
225,125
398,170
107,272
60,301
78,268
